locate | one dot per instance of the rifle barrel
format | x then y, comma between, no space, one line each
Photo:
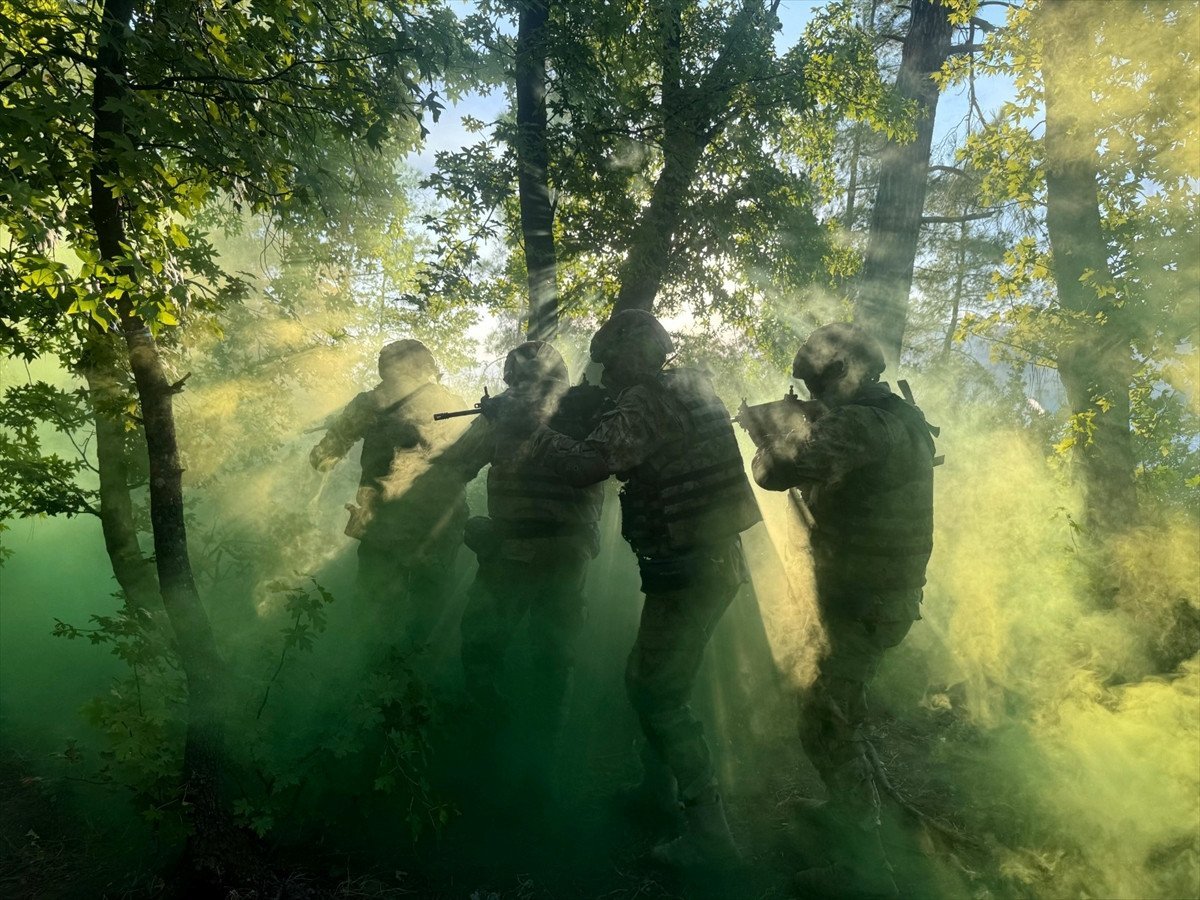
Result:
437,417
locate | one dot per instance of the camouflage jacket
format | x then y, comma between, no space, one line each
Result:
866,469
403,498
534,511
671,442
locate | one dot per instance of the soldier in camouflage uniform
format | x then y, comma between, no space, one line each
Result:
866,467
534,548
685,500
409,514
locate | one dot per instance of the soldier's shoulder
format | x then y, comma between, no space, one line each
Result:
441,393
365,403
688,381
686,377
895,409
587,391
640,396
861,420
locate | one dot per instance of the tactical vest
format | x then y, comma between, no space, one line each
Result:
694,491
874,529
396,428
419,506
530,500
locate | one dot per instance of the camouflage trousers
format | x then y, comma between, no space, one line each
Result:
675,628
549,591
403,599
833,713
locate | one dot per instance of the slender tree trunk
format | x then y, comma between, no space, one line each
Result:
856,143
100,368
533,180
194,638
960,277
1095,361
881,295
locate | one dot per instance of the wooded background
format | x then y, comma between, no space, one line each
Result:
212,214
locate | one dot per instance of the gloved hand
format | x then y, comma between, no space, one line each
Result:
512,412
320,461
498,407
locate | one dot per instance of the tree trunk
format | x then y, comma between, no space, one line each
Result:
856,143
881,295
533,182
692,117
960,277
194,640
1095,359
100,369
645,266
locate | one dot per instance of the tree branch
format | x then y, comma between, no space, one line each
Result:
955,220
953,170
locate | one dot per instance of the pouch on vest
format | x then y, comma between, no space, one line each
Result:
361,513
674,573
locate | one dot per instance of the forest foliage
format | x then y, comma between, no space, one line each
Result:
232,186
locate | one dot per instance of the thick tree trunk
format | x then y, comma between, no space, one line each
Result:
645,263
883,286
1095,359
533,180
100,369
194,638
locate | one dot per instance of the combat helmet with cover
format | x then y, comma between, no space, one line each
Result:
634,341
535,361
838,358
409,359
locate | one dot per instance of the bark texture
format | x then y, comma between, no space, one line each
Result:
1095,359
533,179
212,831
883,286
100,369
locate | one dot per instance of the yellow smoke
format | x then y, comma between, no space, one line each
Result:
1086,743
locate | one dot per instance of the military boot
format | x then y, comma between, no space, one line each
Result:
706,840
655,798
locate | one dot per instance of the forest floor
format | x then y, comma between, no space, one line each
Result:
505,846
501,841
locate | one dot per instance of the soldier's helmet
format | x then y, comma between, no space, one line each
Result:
409,357
860,354
535,361
635,337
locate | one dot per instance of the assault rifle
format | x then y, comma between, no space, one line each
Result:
473,411
578,412
777,416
